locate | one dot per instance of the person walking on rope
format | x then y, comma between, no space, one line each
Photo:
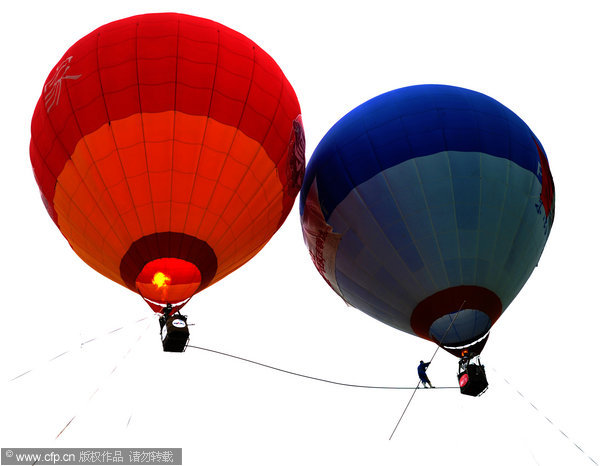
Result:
423,375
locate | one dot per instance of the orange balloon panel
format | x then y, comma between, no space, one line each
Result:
168,150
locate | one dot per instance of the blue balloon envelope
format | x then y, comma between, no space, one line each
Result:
427,201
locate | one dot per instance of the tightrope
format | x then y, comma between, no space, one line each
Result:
379,387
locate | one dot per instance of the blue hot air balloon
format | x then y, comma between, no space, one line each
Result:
428,207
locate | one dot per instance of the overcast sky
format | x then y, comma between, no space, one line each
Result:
120,390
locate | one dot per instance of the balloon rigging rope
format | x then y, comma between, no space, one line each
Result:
430,361
81,345
383,387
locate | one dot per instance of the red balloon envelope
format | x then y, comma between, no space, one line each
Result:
168,149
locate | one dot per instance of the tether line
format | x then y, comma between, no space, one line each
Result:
546,417
80,346
430,361
103,381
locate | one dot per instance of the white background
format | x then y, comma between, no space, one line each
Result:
120,390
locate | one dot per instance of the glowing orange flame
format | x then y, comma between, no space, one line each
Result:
160,280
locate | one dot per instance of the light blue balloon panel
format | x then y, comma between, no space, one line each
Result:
427,197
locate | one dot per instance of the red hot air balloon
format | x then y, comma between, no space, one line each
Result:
168,149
